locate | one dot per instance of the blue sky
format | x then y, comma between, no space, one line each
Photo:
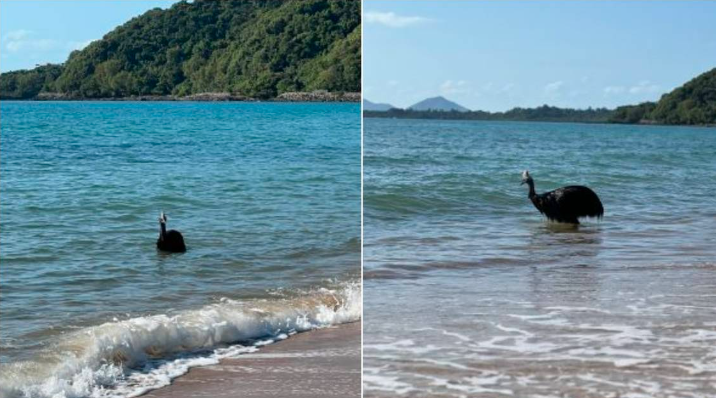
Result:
496,55
41,31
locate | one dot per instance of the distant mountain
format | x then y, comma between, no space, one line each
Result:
693,103
438,104
376,107
259,49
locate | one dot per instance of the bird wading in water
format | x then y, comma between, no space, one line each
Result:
169,241
566,204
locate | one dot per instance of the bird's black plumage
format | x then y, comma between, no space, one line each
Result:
566,204
169,241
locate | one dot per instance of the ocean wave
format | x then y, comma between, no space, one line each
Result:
409,204
410,270
127,358
439,199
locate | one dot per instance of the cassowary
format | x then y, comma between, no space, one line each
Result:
169,241
565,204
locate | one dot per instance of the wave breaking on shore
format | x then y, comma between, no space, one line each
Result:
128,358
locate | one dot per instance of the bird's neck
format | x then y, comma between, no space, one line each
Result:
163,229
532,192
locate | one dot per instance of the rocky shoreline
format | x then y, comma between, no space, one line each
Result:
313,96
318,96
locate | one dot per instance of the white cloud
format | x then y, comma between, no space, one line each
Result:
611,90
78,45
450,87
554,87
32,44
22,39
392,20
492,88
508,87
644,87
17,35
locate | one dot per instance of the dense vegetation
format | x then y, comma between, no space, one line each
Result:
692,103
252,48
543,113
24,84
633,113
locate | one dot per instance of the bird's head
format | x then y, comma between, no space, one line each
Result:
526,177
162,218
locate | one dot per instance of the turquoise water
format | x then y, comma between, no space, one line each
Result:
469,291
267,196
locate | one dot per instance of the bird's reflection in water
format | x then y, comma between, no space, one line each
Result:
568,244
566,264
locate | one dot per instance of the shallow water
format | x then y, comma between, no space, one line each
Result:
267,196
470,292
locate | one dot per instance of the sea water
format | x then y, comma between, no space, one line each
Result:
469,291
267,196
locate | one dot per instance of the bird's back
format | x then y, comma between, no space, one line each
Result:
568,204
172,241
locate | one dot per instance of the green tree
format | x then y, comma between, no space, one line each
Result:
256,48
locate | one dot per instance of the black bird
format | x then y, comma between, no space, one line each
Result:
169,241
566,204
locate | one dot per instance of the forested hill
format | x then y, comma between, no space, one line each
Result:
692,103
257,49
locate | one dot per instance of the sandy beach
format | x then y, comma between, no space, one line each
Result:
320,363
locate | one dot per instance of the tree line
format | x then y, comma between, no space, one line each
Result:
543,113
694,103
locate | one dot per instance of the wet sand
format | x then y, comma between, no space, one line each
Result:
320,363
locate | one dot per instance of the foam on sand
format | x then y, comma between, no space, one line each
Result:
130,357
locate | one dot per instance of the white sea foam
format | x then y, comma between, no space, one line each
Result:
404,345
127,358
577,309
470,385
514,330
374,380
458,336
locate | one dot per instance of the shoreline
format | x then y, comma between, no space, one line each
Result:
315,96
319,363
543,121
